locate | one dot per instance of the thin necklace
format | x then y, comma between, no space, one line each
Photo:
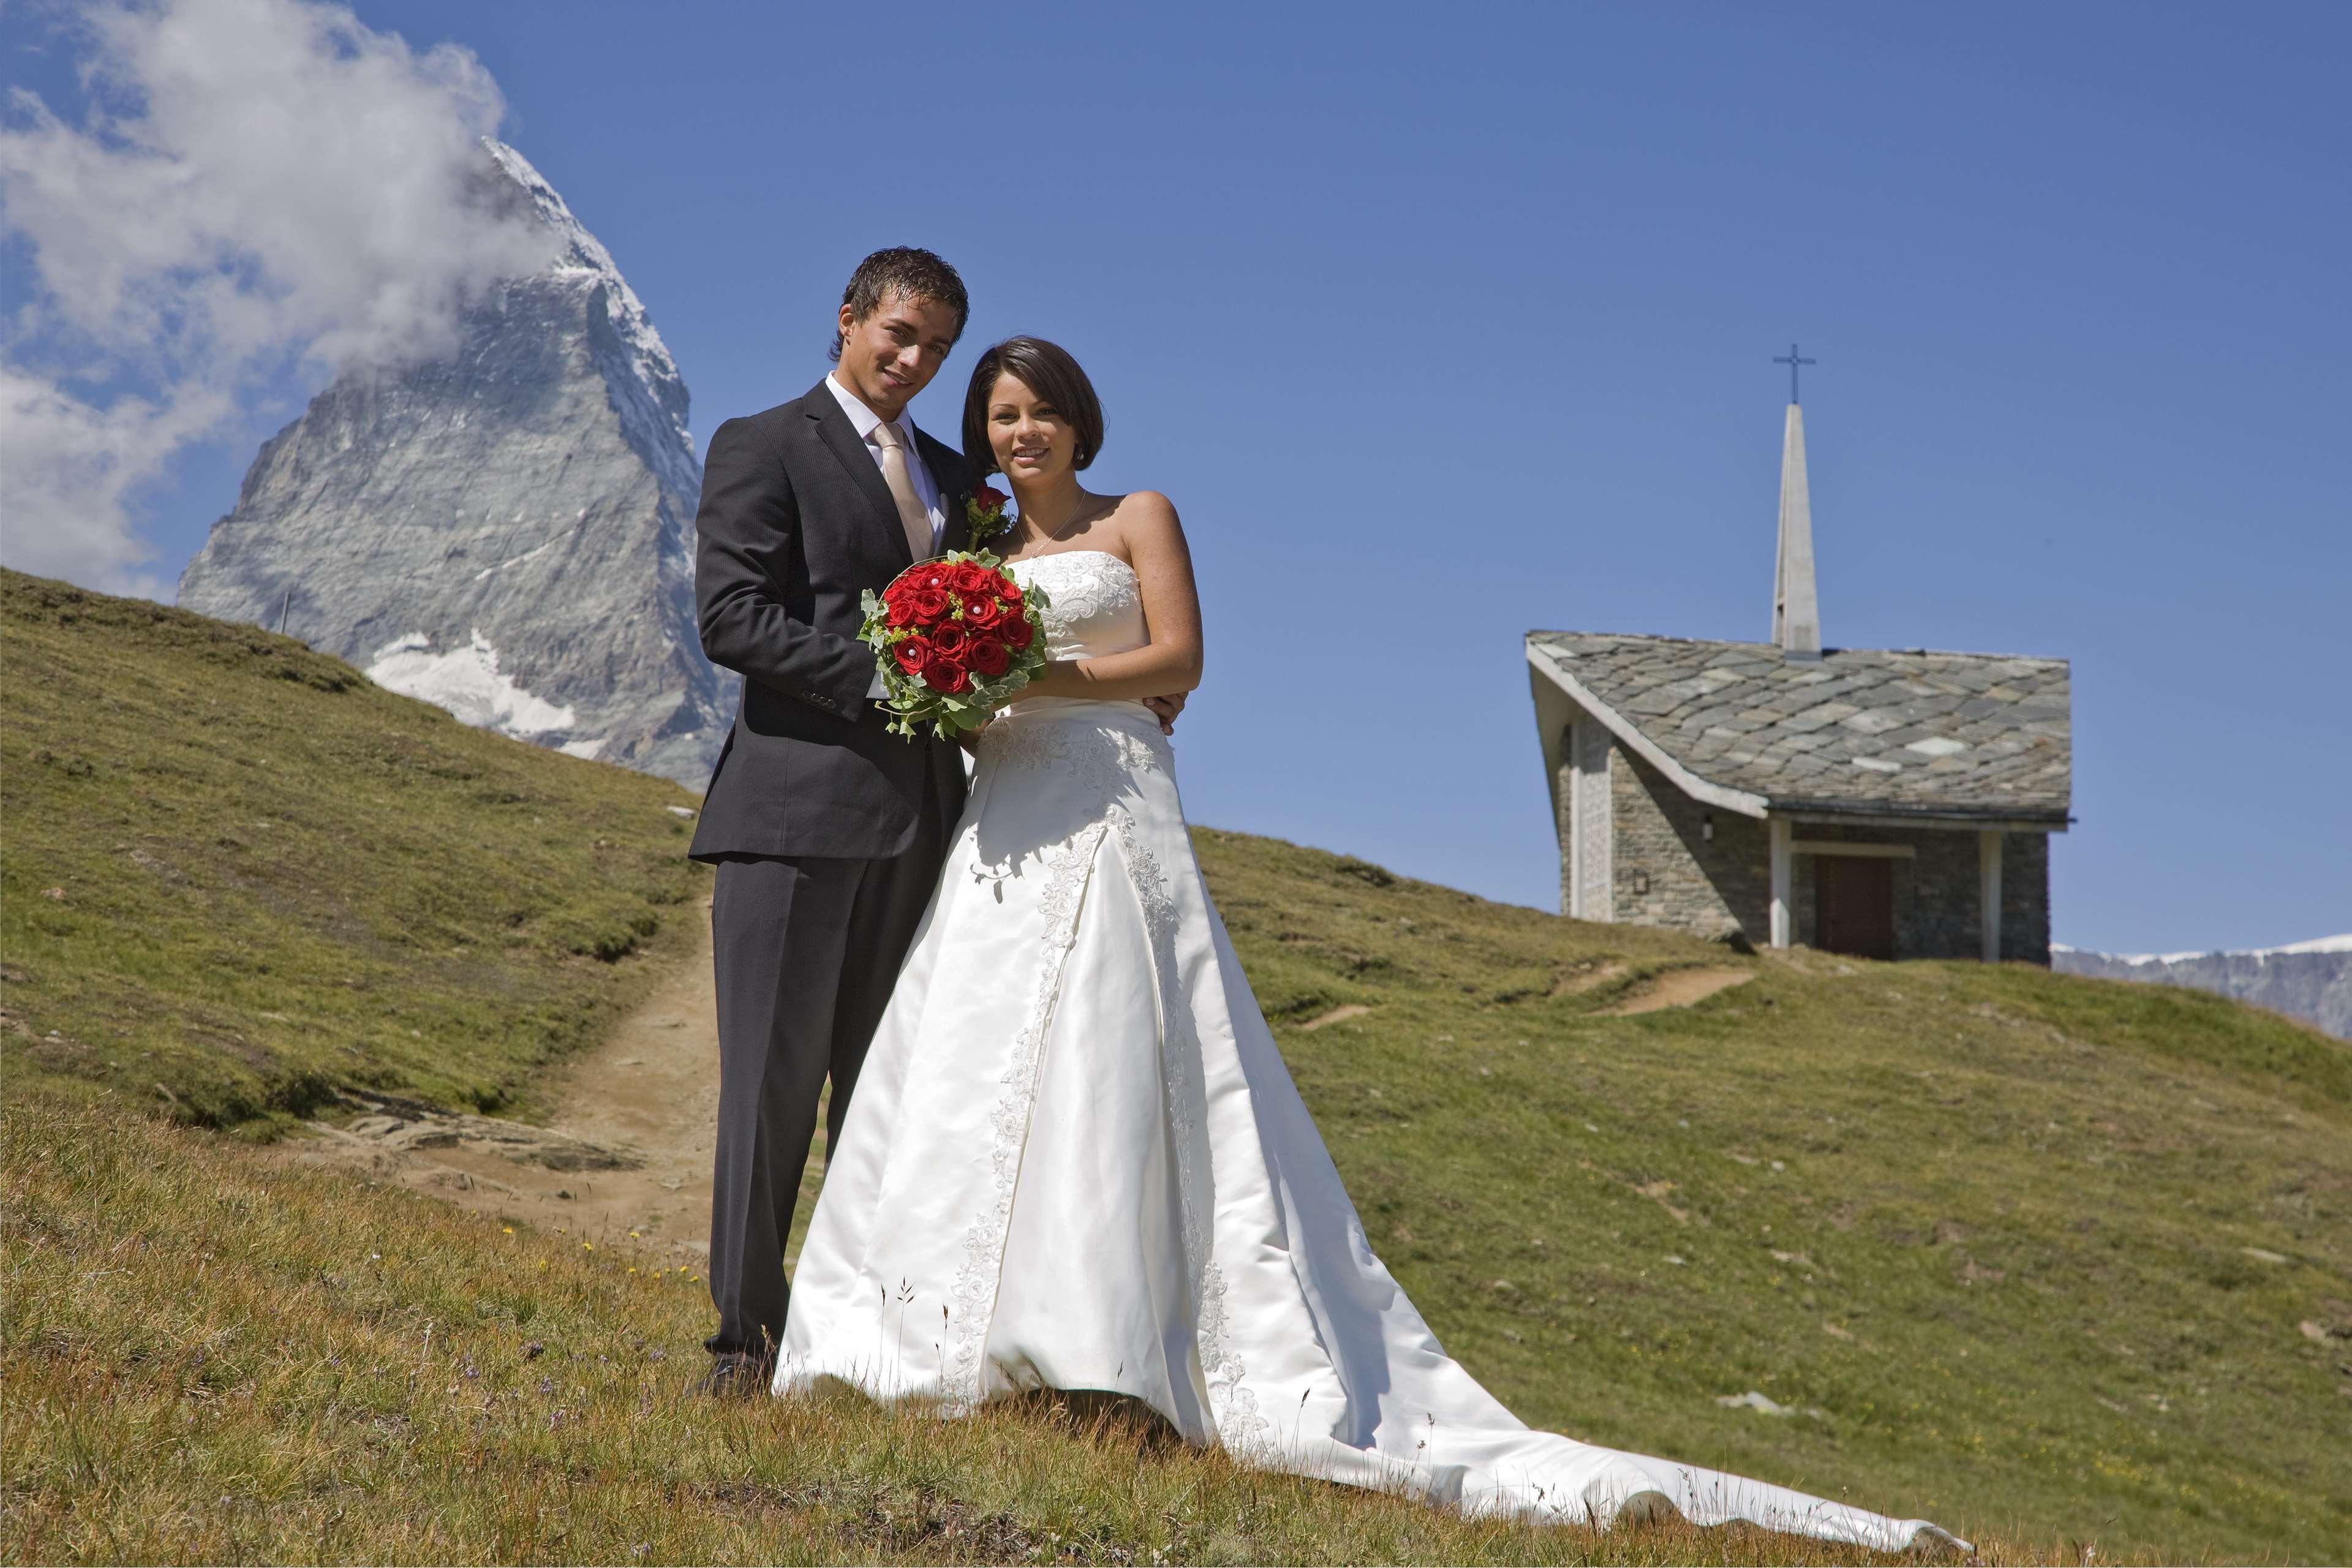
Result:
1061,532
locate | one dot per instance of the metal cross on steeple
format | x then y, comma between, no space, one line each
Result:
1791,360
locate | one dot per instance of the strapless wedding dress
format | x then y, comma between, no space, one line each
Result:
1075,1161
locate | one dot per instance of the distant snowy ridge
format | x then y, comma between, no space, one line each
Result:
2307,980
2317,944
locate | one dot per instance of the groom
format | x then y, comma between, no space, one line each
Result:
828,833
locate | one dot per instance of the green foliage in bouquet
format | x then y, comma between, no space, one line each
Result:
955,639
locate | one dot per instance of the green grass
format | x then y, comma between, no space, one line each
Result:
2009,1246
239,874
2060,1263
213,1360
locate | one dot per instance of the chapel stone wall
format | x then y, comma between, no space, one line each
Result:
2025,899
1669,873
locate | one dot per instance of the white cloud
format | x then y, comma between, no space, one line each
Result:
68,468
257,185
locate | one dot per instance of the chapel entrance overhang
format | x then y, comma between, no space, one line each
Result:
1850,898
1830,814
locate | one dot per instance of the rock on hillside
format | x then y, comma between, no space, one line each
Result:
2309,980
507,531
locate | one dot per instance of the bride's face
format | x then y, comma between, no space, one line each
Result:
1027,435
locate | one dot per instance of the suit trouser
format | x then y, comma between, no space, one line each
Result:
806,949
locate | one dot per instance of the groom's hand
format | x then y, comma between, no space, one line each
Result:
1165,710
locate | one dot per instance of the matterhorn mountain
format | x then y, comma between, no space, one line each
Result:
506,531
2306,980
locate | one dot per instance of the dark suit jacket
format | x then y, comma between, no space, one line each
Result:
795,525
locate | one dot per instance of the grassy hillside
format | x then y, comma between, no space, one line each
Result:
238,874
2056,1262
2046,1254
211,1359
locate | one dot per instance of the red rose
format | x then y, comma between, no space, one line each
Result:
989,497
1018,631
1009,591
949,639
980,611
910,652
930,605
946,676
902,614
990,657
898,589
973,578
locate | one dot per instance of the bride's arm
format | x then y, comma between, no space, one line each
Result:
1170,662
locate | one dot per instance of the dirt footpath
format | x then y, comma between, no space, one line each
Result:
627,1149
625,1158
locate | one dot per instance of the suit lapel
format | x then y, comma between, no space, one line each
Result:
834,427
948,479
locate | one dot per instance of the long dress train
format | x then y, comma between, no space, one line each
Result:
1075,1160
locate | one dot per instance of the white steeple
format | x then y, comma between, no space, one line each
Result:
1796,613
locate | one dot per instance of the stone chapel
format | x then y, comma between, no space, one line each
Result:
1885,803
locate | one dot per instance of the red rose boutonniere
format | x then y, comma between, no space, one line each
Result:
984,510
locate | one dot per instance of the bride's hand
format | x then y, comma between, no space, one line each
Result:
969,738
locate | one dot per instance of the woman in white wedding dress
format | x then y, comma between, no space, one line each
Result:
1074,1158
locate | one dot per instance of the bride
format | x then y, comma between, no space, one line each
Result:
1075,1160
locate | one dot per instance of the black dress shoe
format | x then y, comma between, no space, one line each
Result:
738,1375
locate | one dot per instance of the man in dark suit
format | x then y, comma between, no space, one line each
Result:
828,833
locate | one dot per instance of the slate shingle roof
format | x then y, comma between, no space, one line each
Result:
1880,731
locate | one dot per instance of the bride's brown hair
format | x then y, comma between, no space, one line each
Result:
1046,369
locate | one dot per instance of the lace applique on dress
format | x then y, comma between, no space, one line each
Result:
1103,758
1101,754
1096,756
973,1296
1239,1424
1095,602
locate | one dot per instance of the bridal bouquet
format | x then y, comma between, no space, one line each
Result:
955,639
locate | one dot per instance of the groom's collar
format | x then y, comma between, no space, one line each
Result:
863,419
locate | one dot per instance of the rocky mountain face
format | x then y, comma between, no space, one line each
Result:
2310,980
507,530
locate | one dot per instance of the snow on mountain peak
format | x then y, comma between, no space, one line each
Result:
645,365
516,515
2340,944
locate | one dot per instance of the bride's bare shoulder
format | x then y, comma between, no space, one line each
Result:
1145,514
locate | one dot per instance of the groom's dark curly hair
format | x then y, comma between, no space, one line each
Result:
902,270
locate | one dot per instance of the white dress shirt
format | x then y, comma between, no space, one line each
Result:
864,420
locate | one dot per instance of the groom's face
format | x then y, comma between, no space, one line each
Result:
895,350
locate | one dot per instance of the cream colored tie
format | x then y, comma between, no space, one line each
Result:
916,522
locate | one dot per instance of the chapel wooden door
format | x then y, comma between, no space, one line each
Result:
1856,898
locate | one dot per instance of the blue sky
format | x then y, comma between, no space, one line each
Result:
1440,323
